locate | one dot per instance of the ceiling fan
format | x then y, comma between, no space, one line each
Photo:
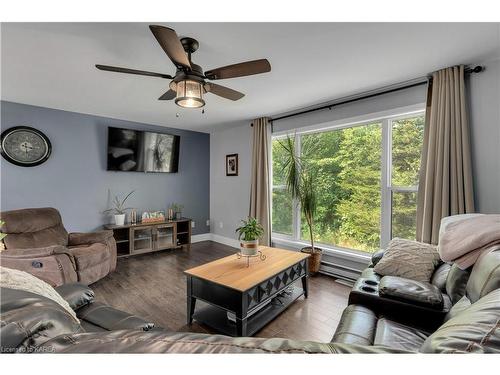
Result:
189,83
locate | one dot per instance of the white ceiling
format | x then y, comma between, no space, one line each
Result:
52,64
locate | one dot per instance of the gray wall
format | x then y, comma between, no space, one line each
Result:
229,196
484,107
75,180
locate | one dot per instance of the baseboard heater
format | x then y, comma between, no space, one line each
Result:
339,271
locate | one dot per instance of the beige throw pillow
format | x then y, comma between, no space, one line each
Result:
20,280
410,259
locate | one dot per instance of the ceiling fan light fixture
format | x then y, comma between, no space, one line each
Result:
189,94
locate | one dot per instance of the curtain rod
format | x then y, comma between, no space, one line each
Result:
371,94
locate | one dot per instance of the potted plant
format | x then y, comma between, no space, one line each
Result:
177,209
119,208
300,183
2,236
249,233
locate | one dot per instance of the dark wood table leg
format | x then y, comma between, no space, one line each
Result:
241,327
305,280
241,316
191,302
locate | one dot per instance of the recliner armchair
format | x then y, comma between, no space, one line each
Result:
38,243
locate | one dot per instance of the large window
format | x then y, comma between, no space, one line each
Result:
366,183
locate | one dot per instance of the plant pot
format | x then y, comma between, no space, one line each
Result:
249,247
120,219
178,215
314,261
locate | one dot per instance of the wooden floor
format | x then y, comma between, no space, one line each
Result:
153,286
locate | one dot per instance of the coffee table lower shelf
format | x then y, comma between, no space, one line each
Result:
216,317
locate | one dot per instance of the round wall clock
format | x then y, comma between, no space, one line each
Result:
25,146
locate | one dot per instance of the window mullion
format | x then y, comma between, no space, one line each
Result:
385,185
296,203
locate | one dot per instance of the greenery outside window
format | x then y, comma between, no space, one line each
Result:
366,180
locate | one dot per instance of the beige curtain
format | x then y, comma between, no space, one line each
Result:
445,186
260,190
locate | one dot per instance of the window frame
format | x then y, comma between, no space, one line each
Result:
385,118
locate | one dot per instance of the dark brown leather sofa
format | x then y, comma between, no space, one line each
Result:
469,320
32,323
408,300
38,243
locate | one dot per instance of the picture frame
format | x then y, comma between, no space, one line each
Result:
232,165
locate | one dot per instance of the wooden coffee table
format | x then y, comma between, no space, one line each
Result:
256,294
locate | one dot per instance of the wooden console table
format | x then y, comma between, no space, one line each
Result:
141,238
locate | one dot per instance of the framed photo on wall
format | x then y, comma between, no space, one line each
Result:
232,165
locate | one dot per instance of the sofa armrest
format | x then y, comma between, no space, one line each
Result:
160,341
411,291
76,294
338,348
75,239
37,252
112,319
357,325
376,257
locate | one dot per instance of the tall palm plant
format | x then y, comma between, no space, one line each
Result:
299,181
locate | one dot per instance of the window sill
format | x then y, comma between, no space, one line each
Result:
338,252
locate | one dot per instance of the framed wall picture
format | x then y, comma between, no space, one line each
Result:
232,165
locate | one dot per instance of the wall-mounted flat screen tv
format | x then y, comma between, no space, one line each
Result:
141,151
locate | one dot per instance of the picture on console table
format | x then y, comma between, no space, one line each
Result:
232,165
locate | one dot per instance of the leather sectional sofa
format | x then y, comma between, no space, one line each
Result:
32,323
38,243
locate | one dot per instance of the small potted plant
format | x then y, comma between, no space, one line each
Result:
119,208
177,209
249,233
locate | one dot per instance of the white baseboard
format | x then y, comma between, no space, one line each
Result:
225,240
201,237
216,238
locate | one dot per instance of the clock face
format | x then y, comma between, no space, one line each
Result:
25,146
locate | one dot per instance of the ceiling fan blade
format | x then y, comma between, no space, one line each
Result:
131,71
223,91
169,95
240,70
171,44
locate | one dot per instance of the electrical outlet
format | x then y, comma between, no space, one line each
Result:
208,223
193,224
221,224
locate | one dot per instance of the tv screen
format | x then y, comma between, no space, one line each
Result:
141,151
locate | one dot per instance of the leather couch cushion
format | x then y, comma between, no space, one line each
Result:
41,319
410,259
377,256
33,227
398,336
440,276
456,283
485,275
357,326
476,329
76,294
411,291
457,308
